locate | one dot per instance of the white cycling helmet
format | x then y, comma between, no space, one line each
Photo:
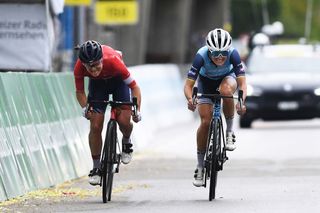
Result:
218,40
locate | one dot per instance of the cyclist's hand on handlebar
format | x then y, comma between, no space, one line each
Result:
191,105
242,110
86,112
137,117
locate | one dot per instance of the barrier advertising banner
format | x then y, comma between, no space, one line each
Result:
24,41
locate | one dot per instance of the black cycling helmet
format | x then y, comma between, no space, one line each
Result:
90,51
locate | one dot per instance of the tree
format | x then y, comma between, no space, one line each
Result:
247,16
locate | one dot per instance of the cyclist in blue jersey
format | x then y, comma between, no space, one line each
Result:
216,67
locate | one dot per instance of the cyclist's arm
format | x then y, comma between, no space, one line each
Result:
188,86
136,92
195,68
79,84
237,64
192,76
126,76
242,85
239,70
82,98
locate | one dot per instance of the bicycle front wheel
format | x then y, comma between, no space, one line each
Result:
107,180
109,153
216,141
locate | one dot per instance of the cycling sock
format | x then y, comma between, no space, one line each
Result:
96,161
229,122
200,155
126,140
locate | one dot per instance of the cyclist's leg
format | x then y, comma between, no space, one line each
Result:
205,107
227,87
121,92
95,139
125,127
97,90
205,113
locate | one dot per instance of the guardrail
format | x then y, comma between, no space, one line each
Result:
43,141
43,138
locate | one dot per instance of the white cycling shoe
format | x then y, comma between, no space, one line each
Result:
95,176
126,154
230,140
126,157
198,177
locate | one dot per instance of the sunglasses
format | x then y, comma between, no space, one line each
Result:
217,54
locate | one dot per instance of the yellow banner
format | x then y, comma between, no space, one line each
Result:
116,12
77,2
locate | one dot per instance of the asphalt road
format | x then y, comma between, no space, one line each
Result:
275,168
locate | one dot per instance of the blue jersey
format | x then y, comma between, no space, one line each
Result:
203,65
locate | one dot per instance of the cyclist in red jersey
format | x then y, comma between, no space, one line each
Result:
107,75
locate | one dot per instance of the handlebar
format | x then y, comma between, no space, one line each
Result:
240,98
112,103
135,105
195,95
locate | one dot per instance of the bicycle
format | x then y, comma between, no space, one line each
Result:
215,155
111,152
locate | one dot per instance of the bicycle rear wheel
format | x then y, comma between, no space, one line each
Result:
109,153
216,141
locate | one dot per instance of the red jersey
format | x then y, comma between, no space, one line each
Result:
113,66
